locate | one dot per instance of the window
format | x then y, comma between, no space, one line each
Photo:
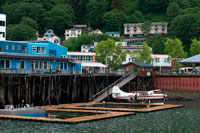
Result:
41,50
45,65
18,47
34,48
41,64
157,60
65,66
165,60
7,64
4,63
13,47
1,63
22,64
24,49
32,64
36,65
6,47
2,23
61,66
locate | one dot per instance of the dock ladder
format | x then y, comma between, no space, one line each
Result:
108,90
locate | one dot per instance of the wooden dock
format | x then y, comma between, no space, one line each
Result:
99,113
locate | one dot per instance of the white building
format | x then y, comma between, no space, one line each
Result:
136,28
2,27
113,34
72,33
162,62
88,61
50,36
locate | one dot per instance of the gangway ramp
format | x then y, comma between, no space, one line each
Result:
108,90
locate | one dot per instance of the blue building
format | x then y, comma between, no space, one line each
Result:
36,57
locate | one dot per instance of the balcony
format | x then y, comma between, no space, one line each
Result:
39,71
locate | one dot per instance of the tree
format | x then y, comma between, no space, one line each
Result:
157,43
146,27
109,53
29,21
95,11
20,32
15,11
172,10
135,17
59,18
144,54
185,27
117,4
174,48
114,20
195,47
147,6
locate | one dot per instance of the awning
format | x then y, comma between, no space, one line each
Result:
93,64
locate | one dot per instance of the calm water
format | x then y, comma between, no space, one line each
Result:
182,120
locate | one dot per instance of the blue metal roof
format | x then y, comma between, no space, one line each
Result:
194,59
113,32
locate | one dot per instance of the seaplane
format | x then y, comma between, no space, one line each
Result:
135,96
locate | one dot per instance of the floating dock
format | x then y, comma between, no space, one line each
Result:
94,112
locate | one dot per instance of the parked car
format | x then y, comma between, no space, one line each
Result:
188,70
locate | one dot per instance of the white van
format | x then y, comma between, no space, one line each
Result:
188,70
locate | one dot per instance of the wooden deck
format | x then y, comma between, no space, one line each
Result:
99,113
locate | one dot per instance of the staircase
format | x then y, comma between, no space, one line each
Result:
108,90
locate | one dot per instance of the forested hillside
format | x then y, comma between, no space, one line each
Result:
108,15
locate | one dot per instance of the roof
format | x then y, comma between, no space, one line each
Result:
93,64
140,64
113,32
30,56
191,60
80,26
132,47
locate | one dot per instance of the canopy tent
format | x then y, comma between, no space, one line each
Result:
93,64
93,67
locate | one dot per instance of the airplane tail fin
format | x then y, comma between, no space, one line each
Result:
116,90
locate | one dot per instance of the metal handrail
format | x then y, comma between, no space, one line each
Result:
110,86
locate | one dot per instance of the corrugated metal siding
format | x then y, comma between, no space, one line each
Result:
177,83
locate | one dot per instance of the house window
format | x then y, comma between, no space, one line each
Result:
65,66
2,23
45,65
1,63
41,50
41,64
61,66
165,60
24,49
18,47
6,47
22,64
34,48
36,64
7,63
13,47
32,64
157,60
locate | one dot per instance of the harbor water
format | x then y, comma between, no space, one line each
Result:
181,120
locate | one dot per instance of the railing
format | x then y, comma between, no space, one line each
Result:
110,86
38,71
